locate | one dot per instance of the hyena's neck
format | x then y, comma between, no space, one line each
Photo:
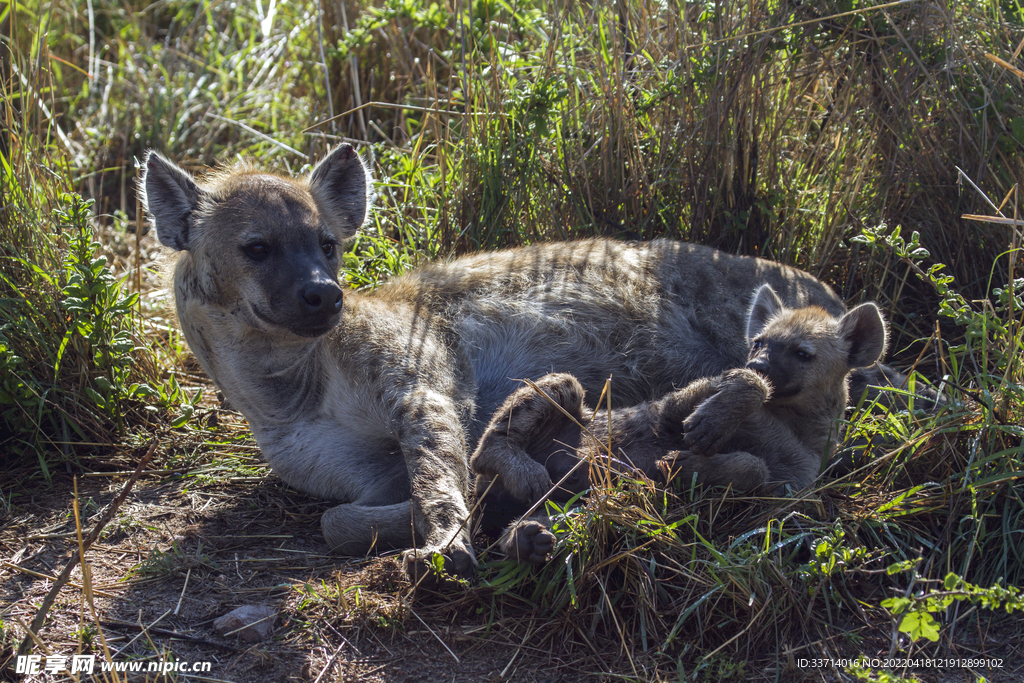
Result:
268,378
266,383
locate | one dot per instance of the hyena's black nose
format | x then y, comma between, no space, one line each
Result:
759,365
321,297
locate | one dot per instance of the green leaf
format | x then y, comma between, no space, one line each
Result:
96,398
899,567
920,625
896,605
183,418
122,346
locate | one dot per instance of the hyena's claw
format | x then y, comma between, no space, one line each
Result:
529,541
421,566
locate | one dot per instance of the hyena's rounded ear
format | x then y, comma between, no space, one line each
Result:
170,196
340,185
864,328
765,306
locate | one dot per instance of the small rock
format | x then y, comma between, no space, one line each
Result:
251,623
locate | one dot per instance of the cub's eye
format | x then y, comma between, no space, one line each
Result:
756,345
803,355
257,251
328,248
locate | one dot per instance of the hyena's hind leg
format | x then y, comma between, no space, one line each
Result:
530,440
529,540
744,472
352,529
525,539
530,443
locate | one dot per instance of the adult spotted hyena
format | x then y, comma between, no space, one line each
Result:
762,426
374,399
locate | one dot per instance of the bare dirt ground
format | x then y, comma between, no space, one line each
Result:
183,550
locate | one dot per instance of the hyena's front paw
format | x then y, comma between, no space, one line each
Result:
716,419
528,541
457,560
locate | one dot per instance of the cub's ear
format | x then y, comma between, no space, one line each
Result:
864,328
170,196
765,306
340,185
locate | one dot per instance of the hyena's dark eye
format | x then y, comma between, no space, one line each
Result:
257,251
328,248
756,345
803,355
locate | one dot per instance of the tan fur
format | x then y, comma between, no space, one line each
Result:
374,399
730,430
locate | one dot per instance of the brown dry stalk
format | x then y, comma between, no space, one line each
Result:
1005,64
37,623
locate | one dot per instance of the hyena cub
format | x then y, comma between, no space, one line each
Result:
768,424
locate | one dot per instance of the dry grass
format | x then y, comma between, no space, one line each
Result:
664,585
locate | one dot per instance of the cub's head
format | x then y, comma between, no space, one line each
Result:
258,246
805,352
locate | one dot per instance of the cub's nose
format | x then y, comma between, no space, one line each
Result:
759,365
321,297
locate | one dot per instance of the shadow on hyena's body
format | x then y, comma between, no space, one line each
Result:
758,427
378,405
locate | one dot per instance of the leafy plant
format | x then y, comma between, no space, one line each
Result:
99,315
916,611
69,337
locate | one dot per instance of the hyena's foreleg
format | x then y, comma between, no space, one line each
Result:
772,458
519,445
434,448
788,459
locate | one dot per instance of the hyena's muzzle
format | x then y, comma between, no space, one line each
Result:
301,292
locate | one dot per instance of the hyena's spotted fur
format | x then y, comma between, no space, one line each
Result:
376,405
768,424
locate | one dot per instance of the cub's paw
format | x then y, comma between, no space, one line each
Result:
706,433
739,470
435,568
527,481
528,541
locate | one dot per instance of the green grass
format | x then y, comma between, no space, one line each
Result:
803,132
